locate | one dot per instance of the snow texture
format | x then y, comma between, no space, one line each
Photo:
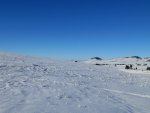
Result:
41,85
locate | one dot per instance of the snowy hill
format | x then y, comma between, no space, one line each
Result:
120,63
126,60
41,85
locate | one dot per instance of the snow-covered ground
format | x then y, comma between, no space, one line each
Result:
41,85
140,64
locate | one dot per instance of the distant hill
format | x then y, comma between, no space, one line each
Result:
136,57
97,58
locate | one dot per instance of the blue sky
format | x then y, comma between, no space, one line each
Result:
75,29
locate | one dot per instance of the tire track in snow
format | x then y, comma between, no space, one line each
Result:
127,93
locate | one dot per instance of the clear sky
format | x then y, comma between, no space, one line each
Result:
75,29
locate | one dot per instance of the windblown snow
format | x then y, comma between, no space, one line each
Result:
41,85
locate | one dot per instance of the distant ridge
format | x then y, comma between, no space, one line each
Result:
136,57
97,58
